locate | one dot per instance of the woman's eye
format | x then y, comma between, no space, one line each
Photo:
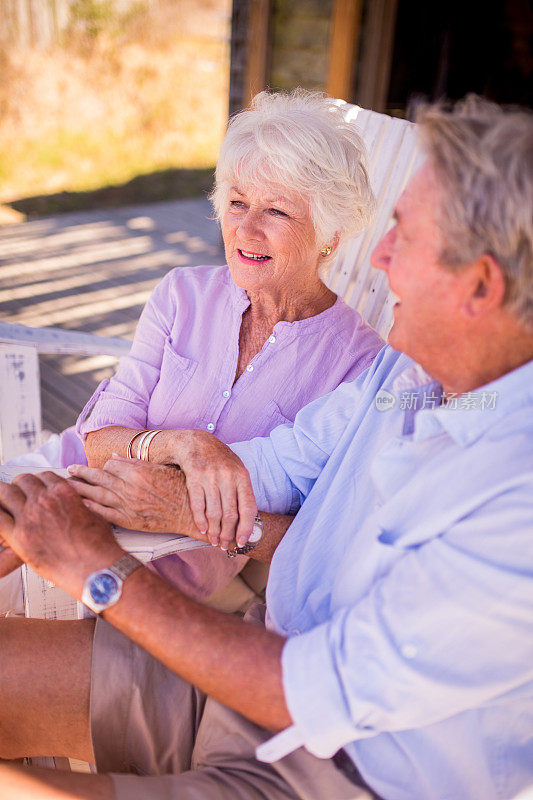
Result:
236,204
278,213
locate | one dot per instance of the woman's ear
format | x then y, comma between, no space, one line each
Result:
334,243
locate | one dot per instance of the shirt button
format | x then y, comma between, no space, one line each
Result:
409,651
272,339
210,426
225,393
250,368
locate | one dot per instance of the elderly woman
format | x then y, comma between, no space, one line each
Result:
236,350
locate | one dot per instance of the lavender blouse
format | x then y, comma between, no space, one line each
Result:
181,369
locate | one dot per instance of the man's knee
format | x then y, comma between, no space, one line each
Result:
44,685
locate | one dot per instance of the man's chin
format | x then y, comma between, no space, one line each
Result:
394,338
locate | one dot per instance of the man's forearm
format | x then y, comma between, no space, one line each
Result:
238,664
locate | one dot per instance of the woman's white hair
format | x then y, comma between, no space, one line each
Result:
482,155
299,141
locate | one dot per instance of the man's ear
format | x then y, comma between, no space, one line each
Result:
485,286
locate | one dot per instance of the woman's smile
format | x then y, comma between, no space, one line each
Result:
247,257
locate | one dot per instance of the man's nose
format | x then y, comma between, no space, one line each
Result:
380,258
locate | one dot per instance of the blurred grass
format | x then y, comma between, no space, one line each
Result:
148,100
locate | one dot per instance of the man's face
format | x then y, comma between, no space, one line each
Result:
427,317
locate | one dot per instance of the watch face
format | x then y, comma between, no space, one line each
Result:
256,534
104,587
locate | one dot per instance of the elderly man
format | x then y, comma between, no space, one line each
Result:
397,658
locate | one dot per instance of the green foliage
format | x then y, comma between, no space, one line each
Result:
92,17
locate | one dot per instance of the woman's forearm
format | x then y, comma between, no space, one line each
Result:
165,448
100,445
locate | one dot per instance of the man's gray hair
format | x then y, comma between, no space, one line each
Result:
482,155
299,141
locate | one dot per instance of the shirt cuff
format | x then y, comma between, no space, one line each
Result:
82,429
314,694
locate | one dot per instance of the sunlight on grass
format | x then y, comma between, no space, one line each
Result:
74,121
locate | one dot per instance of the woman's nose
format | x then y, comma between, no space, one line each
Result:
250,225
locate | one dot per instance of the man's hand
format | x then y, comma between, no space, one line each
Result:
9,561
46,525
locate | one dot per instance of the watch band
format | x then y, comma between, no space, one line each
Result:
253,541
125,565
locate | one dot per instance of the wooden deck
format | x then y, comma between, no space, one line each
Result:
94,271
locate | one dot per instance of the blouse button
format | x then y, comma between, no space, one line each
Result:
210,426
225,393
272,339
250,368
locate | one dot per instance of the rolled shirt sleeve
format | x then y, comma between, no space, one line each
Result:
392,663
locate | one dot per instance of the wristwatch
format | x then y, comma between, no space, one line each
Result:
253,541
103,588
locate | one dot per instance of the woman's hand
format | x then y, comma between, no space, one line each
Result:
218,485
136,495
219,488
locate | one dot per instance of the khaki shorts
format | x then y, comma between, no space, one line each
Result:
160,738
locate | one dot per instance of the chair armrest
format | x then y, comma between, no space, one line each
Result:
57,340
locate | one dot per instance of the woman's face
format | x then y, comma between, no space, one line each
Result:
269,239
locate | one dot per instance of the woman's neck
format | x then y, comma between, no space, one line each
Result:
289,306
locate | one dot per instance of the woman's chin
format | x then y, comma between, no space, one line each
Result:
250,277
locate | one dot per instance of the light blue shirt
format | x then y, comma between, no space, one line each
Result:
405,582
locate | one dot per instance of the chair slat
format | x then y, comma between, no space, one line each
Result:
393,156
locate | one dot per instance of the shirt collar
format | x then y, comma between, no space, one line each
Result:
469,416
415,390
